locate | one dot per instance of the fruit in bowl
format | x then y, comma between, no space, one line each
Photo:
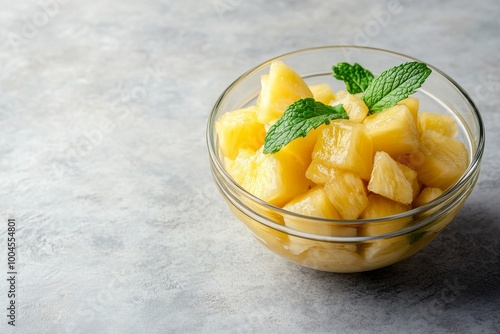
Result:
349,170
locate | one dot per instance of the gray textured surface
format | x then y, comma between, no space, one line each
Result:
103,107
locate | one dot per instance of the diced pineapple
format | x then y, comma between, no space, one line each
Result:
302,147
322,93
378,207
383,252
347,192
282,87
241,166
413,104
354,106
444,124
387,179
441,161
239,129
345,145
393,131
334,257
274,178
411,176
319,173
428,194
264,78
315,203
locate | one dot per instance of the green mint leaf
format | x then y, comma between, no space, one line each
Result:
413,238
355,77
394,85
298,119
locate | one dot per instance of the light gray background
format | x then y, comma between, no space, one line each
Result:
103,107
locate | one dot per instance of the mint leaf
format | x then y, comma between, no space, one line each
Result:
395,84
355,77
413,238
298,119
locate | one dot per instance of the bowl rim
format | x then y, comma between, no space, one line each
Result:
472,168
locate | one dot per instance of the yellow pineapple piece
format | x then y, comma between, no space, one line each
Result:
239,129
315,203
441,161
378,207
264,78
302,147
353,104
334,257
393,131
319,173
345,145
282,87
347,193
316,254
444,124
428,194
383,252
322,93
387,179
243,164
274,178
411,176
412,104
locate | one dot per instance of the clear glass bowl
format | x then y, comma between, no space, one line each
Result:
349,245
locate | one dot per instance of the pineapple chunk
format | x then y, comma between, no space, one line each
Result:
345,145
274,178
319,173
354,106
412,104
393,131
389,180
411,176
347,192
322,93
334,257
383,252
441,161
239,129
315,203
378,207
241,166
282,87
264,79
302,147
444,124
428,194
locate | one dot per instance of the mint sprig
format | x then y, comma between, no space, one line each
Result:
394,85
355,77
298,119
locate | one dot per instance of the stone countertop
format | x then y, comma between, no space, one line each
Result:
120,228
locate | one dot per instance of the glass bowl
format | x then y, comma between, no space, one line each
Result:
349,245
